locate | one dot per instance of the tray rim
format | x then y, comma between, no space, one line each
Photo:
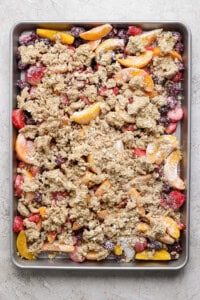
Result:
182,24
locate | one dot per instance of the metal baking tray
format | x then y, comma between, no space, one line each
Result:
183,133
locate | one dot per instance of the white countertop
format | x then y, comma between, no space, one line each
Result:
82,285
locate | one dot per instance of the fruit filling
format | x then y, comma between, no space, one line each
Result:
97,157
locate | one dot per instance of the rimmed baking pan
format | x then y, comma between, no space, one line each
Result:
183,132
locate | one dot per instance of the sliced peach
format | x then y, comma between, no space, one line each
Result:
76,226
157,255
128,73
54,35
103,188
174,54
109,44
172,227
139,61
141,179
158,150
23,148
96,32
57,247
136,196
142,227
171,170
22,246
51,236
118,250
92,255
42,211
90,160
86,115
102,214
149,37
94,44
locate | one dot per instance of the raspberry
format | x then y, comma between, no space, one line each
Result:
134,30
18,118
178,77
18,224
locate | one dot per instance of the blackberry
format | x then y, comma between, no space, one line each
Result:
22,84
155,245
164,109
122,34
176,247
38,196
109,245
166,188
165,121
177,36
77,42
76,30
28,39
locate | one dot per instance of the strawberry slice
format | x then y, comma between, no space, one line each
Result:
140,246
18,224
139,152
18,181
174,200
171,128
176,114
177,77
78,258
116,90
18,118
34,218
34,74
102,90
134,30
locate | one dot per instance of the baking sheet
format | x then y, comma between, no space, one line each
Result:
183,132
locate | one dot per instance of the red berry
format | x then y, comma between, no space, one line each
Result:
181,226
178,77
18,224
176,114
139,152
85,100
134,30
18,118
131,100
140,246
78,258
116,90
102,90
35,170
34,218
18,181
97,67
34,74
58,195
129,128
149,48
174,200
171,128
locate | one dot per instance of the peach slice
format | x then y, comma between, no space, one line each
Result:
23,148
149,37
158,150
174,54
141,179
171,170
54,35
90,160
110,44
139,61
128,73
92,255
142,227
136,196
157,255
103,188
57,247
86,115
96,32
94,44
76,226
22,246
118,250
51,236
172,227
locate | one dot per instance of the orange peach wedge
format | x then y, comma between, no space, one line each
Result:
94,44
171,170
174,54
139,61
103,188
110,44
22,246
96,33
158,150
54,35
149,37
86,115
157,255
57,247
23,148
172,227
128,73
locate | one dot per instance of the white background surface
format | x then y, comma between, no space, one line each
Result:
70,285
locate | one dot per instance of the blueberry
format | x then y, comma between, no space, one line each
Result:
179,47
122,34
166,188
38,196
77,42
28,39
176,247
112,33
164,109
109,245
165,121
22,66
